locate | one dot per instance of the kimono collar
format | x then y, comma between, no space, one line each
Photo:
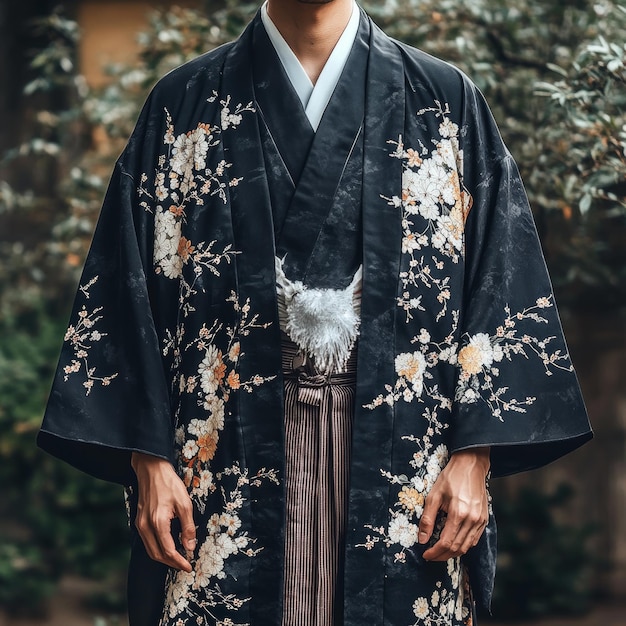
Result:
314,98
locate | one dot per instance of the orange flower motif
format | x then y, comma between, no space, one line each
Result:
407,199
188,478
414,158
233,353
453,180
219,371
178,211
456,223
411,499
233,380
185,248
470,359
208,446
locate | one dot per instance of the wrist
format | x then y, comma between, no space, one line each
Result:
480,457
140,460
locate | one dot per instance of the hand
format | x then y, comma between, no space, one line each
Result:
460,490
162,497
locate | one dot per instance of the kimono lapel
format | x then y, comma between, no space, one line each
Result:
286,133
279,106
382,234
261,412
331,149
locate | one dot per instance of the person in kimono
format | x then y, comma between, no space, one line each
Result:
314,317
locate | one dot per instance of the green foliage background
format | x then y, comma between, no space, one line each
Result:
555,75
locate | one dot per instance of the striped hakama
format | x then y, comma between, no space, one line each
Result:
319,411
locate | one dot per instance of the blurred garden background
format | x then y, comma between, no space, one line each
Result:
72,76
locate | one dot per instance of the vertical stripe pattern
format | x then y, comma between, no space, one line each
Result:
319,412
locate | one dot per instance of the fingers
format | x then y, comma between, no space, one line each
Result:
427,521
144,528
444,547
163,497
184,513
460,533
156,534
169,554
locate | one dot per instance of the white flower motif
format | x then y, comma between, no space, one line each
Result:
181,160
412,367
451,226
213,525
210,563
177,597
433,468
409,243
179,435
190,449
205,482
448,354
420,608
439,240
225,545
215,407
172,266
418,459
429,211
232,523
470,396
450,566
458,609
206,370
189,152
454,577
198,427
447,128
402,531
479,354
418,482
167,234
441,454
434,170
229,119
483,343
449,191
446,150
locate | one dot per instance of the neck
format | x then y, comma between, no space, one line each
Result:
311,28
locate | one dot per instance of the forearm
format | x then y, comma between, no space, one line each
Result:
479,458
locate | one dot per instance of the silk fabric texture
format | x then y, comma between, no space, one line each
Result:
174,345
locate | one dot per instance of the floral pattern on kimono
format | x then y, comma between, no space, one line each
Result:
173,347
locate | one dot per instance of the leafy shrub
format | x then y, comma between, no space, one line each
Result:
54,519
544,565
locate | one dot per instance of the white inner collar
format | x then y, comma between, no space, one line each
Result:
314,98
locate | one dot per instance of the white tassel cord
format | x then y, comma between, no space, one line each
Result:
324,323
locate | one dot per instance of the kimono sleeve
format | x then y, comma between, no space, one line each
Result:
110,395
517,390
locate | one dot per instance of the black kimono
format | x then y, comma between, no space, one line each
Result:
174,342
